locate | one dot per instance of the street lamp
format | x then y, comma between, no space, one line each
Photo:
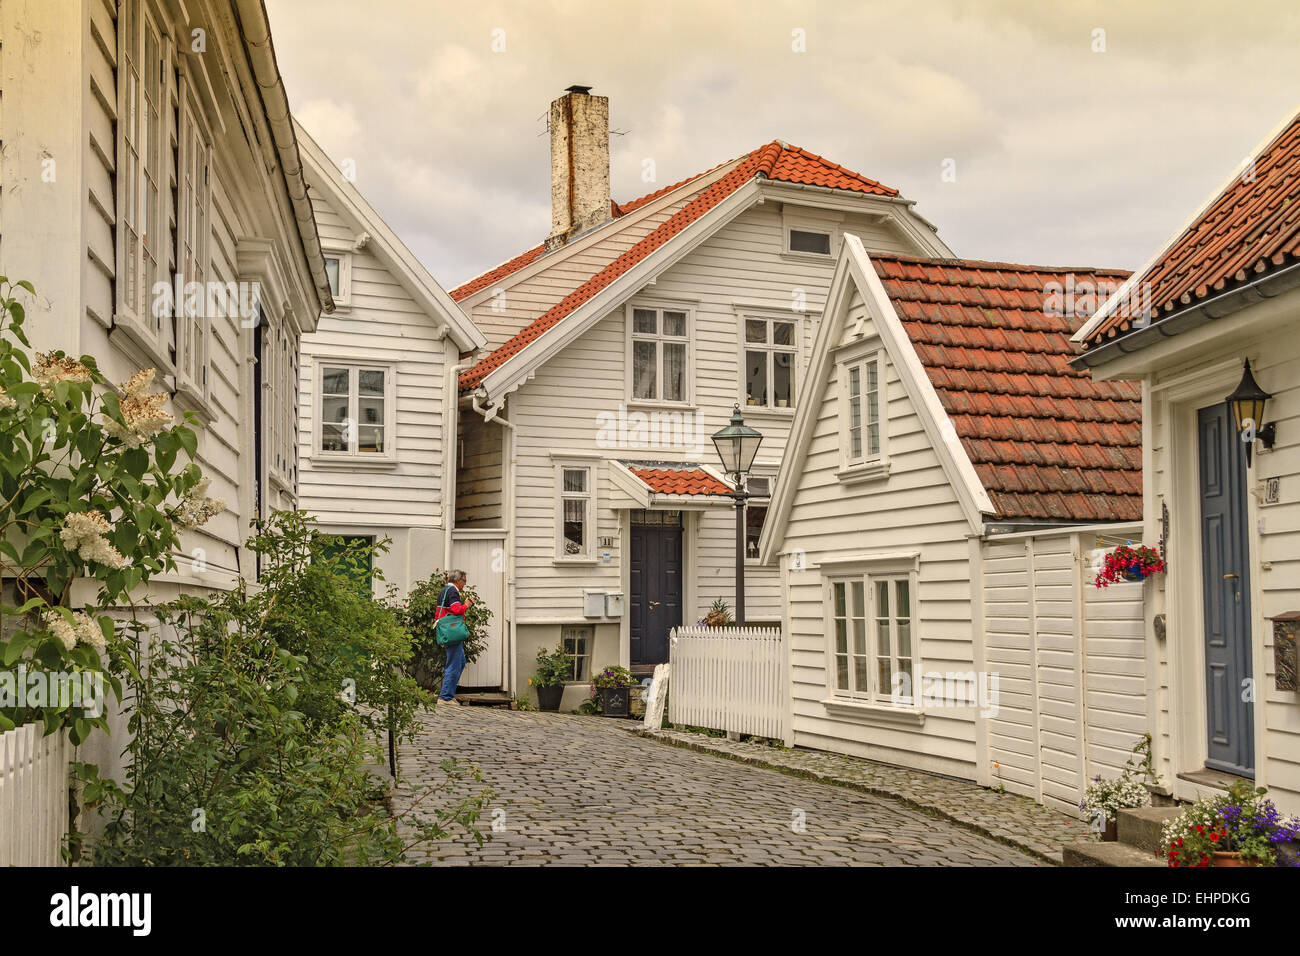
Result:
737,446
1246,404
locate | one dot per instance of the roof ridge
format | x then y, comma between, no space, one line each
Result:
991,263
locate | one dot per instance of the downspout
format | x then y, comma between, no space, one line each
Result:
452,403
508,510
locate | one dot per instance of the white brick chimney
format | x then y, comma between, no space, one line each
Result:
579,164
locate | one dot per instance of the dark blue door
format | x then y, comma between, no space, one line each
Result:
655,585
1226,580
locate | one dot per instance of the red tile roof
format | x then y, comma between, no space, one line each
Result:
680,481
1252,228
1047,441
776,161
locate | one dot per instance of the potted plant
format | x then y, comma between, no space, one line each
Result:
554,668
1127,563
1239,828
1103,799
613,686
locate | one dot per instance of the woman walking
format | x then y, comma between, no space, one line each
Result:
449,602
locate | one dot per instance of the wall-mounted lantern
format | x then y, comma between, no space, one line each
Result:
1246,404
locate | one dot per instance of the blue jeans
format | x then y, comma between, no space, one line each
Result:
451,674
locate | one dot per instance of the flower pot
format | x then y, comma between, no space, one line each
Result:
614,701
548,698
1230,859
1111,833
1134,576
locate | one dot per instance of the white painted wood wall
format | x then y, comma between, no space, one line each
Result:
733,679
1070,660
481,554
33,796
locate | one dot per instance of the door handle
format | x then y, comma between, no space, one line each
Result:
1230,577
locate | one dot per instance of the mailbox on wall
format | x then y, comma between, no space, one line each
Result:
1286,627
613,603
593,603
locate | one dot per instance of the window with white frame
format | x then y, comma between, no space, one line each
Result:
192,319
760,490
873,645
658,354
142,141
862,432
355,410
577,641
813,242
338,269
280,400
575,510
771,349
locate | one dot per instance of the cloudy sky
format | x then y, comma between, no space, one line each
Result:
1080,133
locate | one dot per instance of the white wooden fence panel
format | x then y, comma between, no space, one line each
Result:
33,796
730,679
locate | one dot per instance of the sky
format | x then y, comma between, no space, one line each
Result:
1065,133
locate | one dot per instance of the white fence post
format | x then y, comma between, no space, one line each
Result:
729,679
33,796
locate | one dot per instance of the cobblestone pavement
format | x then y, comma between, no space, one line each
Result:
1013,819
585,791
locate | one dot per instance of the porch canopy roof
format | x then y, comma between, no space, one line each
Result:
669,486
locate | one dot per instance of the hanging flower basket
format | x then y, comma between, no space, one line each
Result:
1127,563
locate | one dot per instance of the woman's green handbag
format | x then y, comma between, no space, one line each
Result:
451,629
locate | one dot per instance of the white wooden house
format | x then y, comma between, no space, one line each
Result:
620,344
146,145
1222,292
935,518
374,437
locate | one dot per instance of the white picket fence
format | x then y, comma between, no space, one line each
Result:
732,679
33,796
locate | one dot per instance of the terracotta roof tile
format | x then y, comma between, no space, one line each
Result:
1250,229
1047,441
775,161
680,481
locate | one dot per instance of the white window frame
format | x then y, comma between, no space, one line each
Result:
827,231
589,632
588,554
771,348
660,307
864,464
280,402
792,221
134,311
352,455
193,235
344,299
762,501
869,577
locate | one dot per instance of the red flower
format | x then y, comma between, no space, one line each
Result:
1214,837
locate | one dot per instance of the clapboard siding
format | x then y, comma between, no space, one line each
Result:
479,484
382,325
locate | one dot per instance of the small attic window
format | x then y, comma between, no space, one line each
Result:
338,269
810,242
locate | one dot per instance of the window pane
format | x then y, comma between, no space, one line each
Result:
674,372
334,381
783,379
859,618
882,637
370,382
841,636
886,686
882,599
783,333
756,377
370,438
675,323
575,526
755,515
842,671
860,674
644,372
839,599
332,271
370,411
818,242
755,331
334,409
645,321
905,639
332,438
904,608
575,479
873,409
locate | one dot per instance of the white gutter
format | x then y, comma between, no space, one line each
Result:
255,29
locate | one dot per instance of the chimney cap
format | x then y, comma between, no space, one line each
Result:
577,89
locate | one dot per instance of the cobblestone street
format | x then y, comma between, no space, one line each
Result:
583,791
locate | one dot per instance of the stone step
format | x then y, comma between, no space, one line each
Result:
1142,828
1085,853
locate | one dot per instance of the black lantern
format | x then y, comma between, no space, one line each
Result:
1246,404
737,446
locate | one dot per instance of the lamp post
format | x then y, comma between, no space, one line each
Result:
737,446
1246,404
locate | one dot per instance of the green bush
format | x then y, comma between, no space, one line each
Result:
553,668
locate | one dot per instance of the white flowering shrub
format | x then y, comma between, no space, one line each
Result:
1103,799
90,490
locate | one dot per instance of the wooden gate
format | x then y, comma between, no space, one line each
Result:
481,554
